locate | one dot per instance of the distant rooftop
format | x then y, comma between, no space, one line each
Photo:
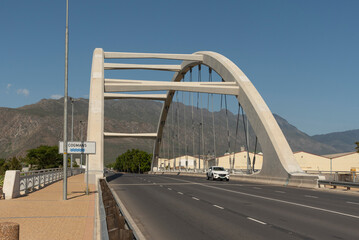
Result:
338,155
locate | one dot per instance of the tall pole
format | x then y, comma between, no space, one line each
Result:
199,147
87,174
81,125
65,101
72,129
249,169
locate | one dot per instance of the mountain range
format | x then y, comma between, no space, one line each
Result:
41,123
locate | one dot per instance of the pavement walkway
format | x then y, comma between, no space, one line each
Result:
44,215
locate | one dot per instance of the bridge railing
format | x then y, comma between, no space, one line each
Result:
340,176
31,180
18,183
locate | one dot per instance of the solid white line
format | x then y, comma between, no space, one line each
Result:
273,199
279,192
169,189
180,193
255,220
218,206
310,196
353,203
195,198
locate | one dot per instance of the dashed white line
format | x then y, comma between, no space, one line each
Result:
169,189
279,192
218,206
180,193
257,188
310,196
353,203
255,220
195,198
271,199
161,186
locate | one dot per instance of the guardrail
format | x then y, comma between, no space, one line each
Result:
348,185
32,180
337,176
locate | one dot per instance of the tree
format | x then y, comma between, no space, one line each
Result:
357,147
44,157
9,164
133,160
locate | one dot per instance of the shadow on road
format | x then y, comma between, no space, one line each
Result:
113,176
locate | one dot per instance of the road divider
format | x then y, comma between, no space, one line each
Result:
117,225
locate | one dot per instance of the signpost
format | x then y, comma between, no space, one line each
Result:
80,148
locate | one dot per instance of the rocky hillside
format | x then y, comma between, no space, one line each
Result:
42,123
343,141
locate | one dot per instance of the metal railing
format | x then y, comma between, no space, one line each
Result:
348,185
37,179
339,176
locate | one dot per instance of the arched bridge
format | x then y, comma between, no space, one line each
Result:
279,164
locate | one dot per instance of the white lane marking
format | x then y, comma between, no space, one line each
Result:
154,183
279,192
195,198
161,186
353,203
180,193
257,188
218,206
310,196
273,199
169,189
255,220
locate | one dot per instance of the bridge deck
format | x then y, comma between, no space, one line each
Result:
44,215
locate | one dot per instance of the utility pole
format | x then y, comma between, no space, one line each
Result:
65,101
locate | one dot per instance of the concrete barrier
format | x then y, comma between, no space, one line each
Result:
115,221
11,187
292,180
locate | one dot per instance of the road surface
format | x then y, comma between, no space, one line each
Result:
183,207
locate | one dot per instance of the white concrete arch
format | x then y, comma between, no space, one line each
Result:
279,164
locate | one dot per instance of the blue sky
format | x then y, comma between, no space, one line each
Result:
302,56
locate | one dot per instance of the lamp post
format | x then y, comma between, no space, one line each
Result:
65,101
199,147
81,126
72,129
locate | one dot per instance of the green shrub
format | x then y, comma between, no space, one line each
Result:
134,161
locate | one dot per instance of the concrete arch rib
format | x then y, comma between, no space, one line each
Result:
279,164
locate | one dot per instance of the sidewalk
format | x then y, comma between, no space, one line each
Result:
44,215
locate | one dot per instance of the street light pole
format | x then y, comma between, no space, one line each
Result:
199,147
72,129
65,101
81,125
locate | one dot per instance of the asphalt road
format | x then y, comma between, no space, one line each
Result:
182,207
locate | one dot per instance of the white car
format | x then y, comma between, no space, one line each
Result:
216,172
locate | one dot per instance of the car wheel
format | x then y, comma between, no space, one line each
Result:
207,177
213,178
227,179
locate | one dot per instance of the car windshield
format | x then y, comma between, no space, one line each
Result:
218,168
